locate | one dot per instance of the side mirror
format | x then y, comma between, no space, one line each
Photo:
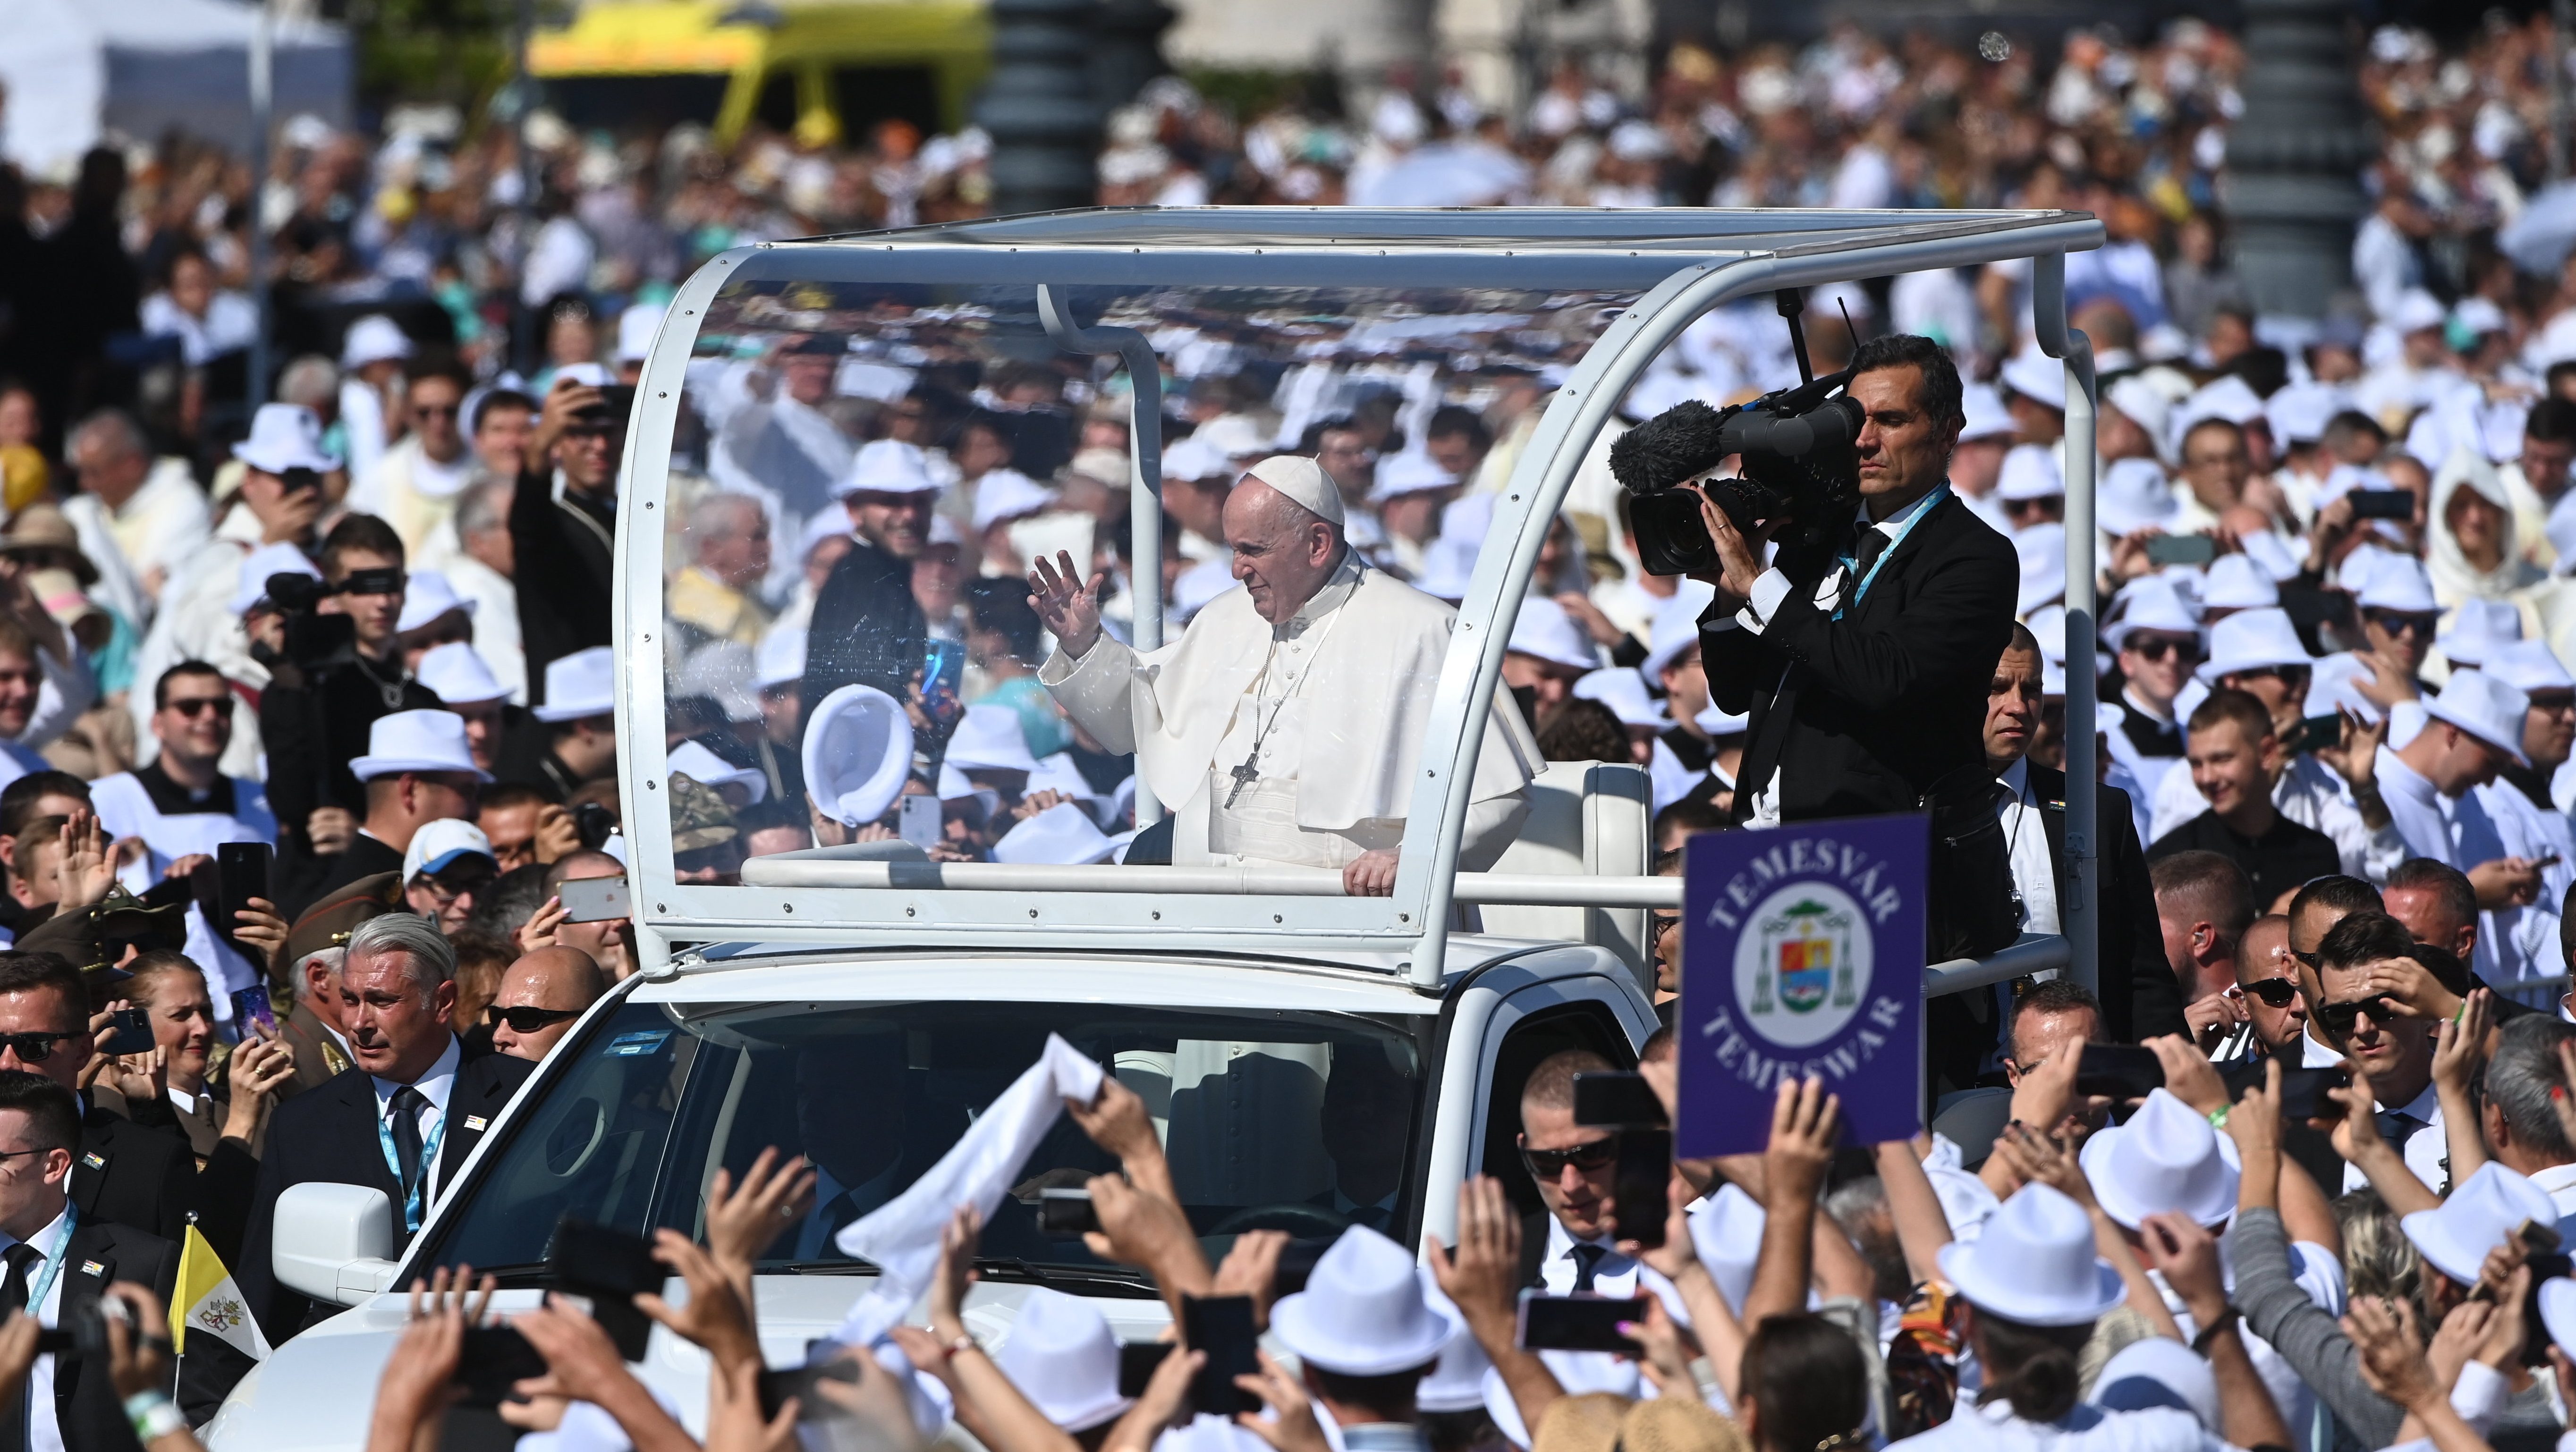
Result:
334,1243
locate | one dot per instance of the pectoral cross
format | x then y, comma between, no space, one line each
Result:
1244,775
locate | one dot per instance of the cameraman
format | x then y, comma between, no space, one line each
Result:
329,687
1864,664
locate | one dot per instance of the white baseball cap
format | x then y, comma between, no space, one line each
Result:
437,845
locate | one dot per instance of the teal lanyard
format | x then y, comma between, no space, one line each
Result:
393,1162
54,1263
1852,561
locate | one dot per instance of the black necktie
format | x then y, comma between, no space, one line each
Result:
1873,543
406,1132
1587,1264
2397,1126
13,1297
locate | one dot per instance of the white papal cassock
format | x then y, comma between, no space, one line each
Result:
1328,708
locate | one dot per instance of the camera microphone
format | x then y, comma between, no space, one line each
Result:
1681,443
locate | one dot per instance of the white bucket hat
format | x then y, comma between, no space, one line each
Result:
2272,554
1457,1384
781,659
426,596
2479,628
1409,473
1063,835
2253,640
2236,582
374,338
267,560
456,674
2484,707
2041,548
1448,567
991,738
701,765
422,740
1676,628
1363,1312
580,685
1624,692
2157,1372
2034,1263
1717,721
889,466
2143,404
2165,1159
857,753
1983,408
2152,602
1544,630
2455,1236
2036,376
2030,472
635,329
2528,666
1063,1358
2133,494
284,436
2398,582
1009,494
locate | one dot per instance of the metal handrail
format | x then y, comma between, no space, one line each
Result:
1519,889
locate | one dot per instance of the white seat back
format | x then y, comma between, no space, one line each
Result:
1586,818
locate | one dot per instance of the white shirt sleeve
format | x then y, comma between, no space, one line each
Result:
1768,591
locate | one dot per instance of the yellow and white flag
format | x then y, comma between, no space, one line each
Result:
208,1301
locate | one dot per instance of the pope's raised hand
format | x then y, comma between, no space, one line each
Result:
1069,608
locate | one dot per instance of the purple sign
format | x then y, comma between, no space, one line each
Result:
1802,954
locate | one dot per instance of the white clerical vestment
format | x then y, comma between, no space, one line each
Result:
1327,710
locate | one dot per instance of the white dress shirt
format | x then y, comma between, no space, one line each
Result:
44,1432
2427,1151
434,1086
2513,943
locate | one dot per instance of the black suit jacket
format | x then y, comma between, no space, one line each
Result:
86,1406
133,1175
1863,714
328,1135
867,628
567,565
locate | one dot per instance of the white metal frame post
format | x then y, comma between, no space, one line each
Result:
2079,915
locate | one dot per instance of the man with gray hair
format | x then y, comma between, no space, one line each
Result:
400,1120
137,516
2517,1116
1283,728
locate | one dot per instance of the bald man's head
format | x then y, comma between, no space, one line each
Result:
541,995
1283,551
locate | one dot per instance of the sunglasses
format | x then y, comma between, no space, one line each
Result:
2399,623
2031,506
2275,992
193,706
33,1048
524,1019
1548,1164
2337,1018
2153,647
438,410
2287,675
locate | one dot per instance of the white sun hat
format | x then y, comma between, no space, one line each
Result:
1009,494
2133,494
2158,1372
857,753
2145,405
284,436
2150,602
1718,721
1726,1235
1063,835
456,674
2236,582
2484,707
635,329
1544,630
889,466
267,560
2528,666
2481,1212
2030,472
1624,692
423,740
2036,376
1408,473
2558,1311
990,738
1676,628
580,685
1448,565
2034,1263
2479,628
2165,1159
426,596
1457,1383
781,658
1983,408
695,761
1063,1358
2041,549
2398,582
374,338
2252,640
1363,1312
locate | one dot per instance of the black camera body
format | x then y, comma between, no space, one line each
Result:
315,641
1797,465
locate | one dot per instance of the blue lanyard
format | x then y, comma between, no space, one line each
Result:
1861,591
54,1263
393,1162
